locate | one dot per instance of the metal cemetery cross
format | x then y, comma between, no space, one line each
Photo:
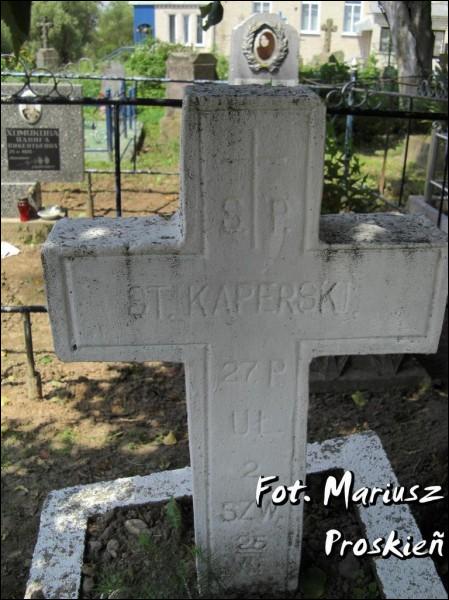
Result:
245,286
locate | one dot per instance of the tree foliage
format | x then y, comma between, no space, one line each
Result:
115,29
149,59
16,16
74,26
7,45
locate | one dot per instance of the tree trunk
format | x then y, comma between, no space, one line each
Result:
412,37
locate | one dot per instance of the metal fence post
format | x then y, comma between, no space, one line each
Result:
117,162
129,109
134,120
124,108
109,125
443,191
404,165
350,123
33,377
90,197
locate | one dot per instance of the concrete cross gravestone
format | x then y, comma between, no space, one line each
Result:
242,288
46,57
264,49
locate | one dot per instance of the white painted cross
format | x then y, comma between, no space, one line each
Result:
245,286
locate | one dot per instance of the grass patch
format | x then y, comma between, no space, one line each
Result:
66,439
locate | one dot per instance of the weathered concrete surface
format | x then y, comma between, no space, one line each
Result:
240,287
264,49
58,555
417,205
13,192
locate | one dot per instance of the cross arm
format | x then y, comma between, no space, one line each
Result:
387,288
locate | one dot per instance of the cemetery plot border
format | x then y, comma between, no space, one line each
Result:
59,551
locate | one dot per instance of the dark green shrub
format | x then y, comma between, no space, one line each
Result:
222,67
149,60
345,188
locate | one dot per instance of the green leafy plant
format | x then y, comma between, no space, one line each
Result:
334,71
17,16
359,399
222,67
174,515
345,188
109,582
149,60
370,71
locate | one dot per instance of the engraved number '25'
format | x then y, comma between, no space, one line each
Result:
232,220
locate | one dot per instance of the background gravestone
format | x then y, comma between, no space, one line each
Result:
264,49
186,66
46,57
113,69
38,143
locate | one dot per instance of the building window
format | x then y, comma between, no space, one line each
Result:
172,29
385,45
310,17
199,31
185,28
352,15
261,7
438,46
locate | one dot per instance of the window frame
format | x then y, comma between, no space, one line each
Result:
441,50
257,12
172,18
311,31
351,4
186,22
389,49
198,28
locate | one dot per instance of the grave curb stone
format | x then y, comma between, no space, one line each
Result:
59,551
47,58
13,192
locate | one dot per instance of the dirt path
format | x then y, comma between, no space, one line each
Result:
141,195
100,421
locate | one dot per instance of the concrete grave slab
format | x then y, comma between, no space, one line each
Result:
264,49
246,285
59,552
417,205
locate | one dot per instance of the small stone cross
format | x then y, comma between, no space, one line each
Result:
329,28
45,25
245,286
